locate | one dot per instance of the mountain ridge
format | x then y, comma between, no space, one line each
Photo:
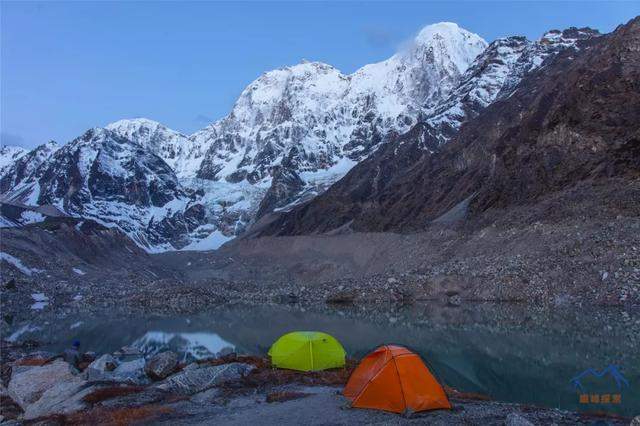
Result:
295,131
568,122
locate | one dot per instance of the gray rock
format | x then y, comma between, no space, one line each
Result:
149,395
227,350
28,383
9,409
101,368
132,372
161,365
514,419
62,398
105,363
192,381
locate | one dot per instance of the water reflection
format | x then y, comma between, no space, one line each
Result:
191,346
510,353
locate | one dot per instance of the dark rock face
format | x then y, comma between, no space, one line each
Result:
574,120
286,184
119,171
161,365
24,166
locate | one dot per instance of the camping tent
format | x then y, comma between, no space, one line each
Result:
307,351
392,378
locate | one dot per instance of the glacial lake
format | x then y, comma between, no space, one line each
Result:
507,352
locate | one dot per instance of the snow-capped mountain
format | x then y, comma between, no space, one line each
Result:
291,134
181,153
494,75
326,115
9,154
317,122
547,141
104,176
14,175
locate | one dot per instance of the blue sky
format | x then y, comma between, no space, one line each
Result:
66,67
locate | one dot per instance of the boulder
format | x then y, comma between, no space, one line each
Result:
131,372
28,383
101,368
161,365
105,363
192,381
128,372
62,398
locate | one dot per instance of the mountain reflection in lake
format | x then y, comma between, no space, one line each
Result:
191,346
510,353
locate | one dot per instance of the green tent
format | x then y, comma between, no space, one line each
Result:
307,351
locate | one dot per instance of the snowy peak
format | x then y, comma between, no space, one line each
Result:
114,180
311,116
458,45
14,176
9,154
423,72
277,95
568,37
142,129
495,74
176,149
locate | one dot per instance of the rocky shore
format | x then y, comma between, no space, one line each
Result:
125,388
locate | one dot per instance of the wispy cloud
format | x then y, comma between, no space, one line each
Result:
12,139
379,37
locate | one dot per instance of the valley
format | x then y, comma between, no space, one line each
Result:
476,201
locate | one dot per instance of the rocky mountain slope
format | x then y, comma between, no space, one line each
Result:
292,133
574,120
9,154
14,175
115,181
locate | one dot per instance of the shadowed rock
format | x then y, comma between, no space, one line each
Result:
192,381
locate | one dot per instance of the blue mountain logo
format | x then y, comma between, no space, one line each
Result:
611,370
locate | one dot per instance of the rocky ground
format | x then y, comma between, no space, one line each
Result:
124,388
563,253
567,250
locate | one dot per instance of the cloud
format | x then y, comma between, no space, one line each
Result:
379,37
201,118
12,139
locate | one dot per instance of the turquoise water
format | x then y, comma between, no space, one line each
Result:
507,352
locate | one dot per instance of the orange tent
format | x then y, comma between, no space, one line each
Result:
392,378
